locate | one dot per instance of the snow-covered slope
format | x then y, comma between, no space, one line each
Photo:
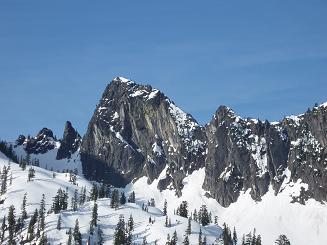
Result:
274,215
44,183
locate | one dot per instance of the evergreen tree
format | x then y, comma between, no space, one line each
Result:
43,239
189,228
174,238
130,229
59,223
234,236
94,192
186,240
77,234
3,228
258,241
82,196
74,201
120,232
183,209
31,174
31,226
114,202
200,236
195,216
168,240
11,225
204,241
42,213
204,215
70,237
282,240
166,222
4,177
122,198
226,235
165,208
94,218
23,211
144,241
131,197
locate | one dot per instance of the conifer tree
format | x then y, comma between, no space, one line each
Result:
183,209
99,235
186,240
114,202
204,215
131,197
166,222
122,198
42,213
174,239
77,234
200,236
31,226
94,218
23,211
74,200
59,223
234,236
168,240
120,232
3,228
204,241
258,241
195,216
144,242
70,237
43,239
130,229
165,208
11,225
31,174
94,192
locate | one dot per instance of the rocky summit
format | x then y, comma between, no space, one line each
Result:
137,131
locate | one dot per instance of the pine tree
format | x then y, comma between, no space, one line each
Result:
189,228
3,228
282,240
165,208
59,223
204,215
258,241
75,200
31,174
77,234
11,225
234,236
195,216
168,240
31,226
186,240
120,232
200,236
166,222
174,238
122,198
204,241
4,177
42,214
130,229
23,211
43,239
183,209
144,242
114,202
94,192
94,218
70,237
131,197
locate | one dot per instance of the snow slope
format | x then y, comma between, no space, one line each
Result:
274,215
44,183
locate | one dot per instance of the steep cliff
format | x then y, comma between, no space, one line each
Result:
136,130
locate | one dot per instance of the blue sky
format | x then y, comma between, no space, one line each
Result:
265,59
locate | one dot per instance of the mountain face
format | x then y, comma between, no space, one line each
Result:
137,131
70,142
43,142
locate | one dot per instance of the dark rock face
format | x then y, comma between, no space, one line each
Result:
137,131
70,142
248,154
40,144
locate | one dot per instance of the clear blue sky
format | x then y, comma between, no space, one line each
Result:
265,59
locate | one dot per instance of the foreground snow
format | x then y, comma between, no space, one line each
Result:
44,183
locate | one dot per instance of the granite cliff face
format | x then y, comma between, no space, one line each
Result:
137,131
